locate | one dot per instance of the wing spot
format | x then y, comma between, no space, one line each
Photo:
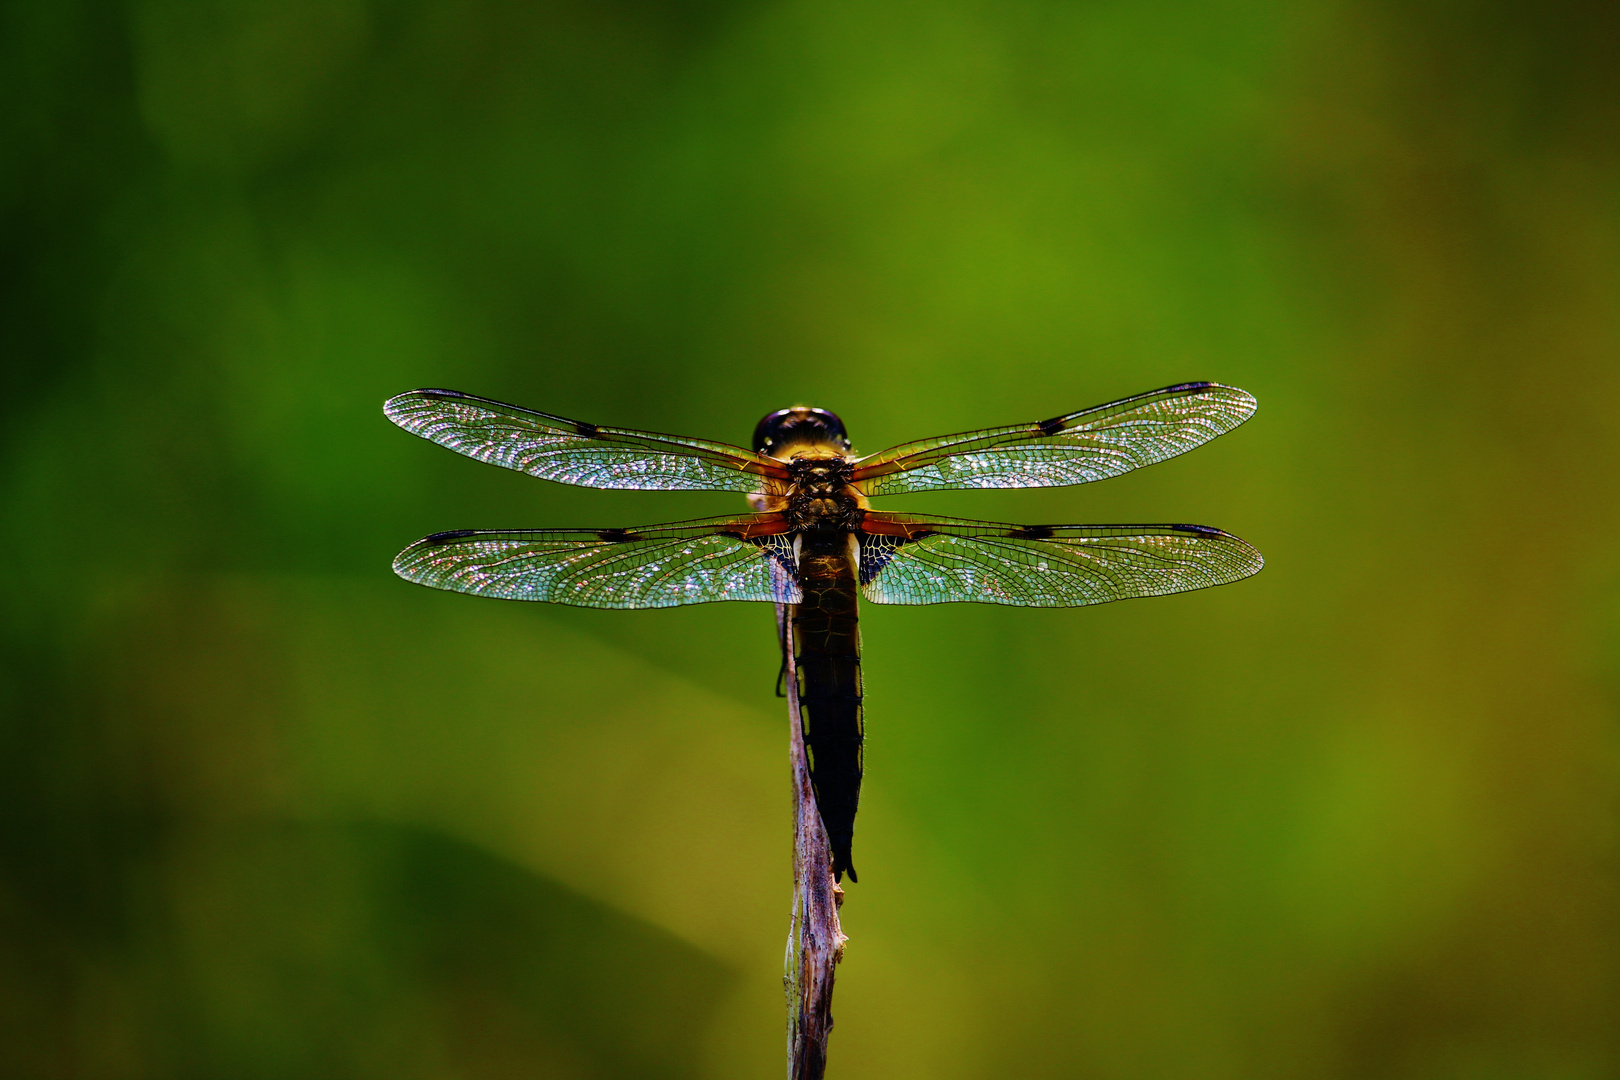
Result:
1032,532
447,537
590,431
1050,427
617,536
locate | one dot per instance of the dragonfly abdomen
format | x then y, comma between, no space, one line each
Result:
827,652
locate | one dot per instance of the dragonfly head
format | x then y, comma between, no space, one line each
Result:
800,424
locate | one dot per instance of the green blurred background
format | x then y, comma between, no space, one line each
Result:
267,811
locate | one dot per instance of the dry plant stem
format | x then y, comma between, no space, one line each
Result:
815,942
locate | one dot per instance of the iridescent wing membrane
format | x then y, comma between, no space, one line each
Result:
1092,444
574,452
689,562
905,559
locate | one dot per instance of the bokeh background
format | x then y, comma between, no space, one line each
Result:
267,811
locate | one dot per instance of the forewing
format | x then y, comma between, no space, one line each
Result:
1078,448
906,559
574,452
688,562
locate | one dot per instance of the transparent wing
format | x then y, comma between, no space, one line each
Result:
1093,444
906,559
574,452
688,562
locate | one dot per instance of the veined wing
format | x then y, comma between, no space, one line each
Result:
574,452
907,559
1092,444
688,562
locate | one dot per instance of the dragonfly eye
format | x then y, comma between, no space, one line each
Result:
800,424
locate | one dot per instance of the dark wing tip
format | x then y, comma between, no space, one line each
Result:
402,409
1200,387
1254,562
425,392
398,408
408,563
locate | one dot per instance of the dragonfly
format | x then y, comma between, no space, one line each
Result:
813,543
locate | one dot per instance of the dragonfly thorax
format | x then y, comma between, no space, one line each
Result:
820,496
819,475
